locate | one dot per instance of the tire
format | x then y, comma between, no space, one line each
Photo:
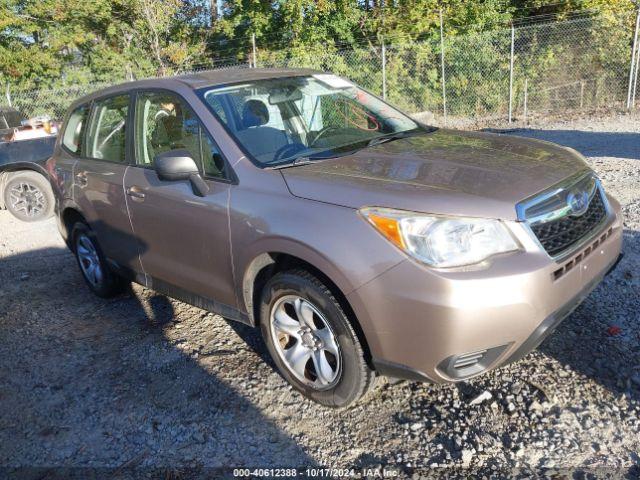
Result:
331,339
28,196
100,279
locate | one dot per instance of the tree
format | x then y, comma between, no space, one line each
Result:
213,9
47,43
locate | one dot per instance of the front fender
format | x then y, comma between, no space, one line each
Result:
265,219
262,253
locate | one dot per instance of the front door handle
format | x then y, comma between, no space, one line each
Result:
135,193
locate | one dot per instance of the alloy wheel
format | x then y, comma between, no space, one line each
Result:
89,260
27,199
305,342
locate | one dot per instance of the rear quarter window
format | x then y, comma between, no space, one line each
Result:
74,130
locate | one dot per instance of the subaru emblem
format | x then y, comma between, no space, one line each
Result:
578,202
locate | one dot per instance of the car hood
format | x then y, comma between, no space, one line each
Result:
445,172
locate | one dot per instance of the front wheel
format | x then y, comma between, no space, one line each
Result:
311,340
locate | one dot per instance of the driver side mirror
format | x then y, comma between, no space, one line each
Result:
177,165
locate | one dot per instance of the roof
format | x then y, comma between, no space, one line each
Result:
205,78
231,75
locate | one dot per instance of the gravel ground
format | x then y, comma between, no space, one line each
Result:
146,381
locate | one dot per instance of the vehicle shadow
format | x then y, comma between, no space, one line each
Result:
590,144
88,382
252,337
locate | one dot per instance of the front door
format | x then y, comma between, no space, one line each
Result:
98,181
184,238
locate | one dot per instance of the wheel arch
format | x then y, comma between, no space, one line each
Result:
264,266
69,216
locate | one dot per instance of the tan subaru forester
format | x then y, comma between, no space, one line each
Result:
361,242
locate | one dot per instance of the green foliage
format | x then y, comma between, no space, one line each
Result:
47,43
53,44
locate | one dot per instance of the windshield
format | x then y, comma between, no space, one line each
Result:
280,120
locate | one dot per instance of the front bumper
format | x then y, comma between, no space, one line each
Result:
441,327
548,326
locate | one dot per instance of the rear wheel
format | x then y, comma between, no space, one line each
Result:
28,196
96,272
312,341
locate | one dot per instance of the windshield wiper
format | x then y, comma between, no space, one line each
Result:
295,163
306,160
348,149
361,145
389,138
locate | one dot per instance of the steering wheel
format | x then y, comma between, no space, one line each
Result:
288,150
321,134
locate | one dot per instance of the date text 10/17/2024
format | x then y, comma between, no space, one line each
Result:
317,472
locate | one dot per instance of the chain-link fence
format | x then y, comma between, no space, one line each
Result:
542,69
576,65
53,103
50,103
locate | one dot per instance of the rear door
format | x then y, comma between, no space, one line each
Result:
99,176
185,238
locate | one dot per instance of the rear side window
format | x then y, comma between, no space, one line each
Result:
73,132
108,129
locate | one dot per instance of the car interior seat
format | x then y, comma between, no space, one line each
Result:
261,141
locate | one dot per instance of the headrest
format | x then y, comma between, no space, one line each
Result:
254,113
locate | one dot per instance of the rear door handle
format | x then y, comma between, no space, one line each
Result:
134,192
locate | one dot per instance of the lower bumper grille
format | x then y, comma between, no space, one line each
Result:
464,365
559,235
468,359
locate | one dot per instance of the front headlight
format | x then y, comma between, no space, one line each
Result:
442,241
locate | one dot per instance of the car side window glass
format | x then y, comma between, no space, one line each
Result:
212,160
165,123
108,129
72,136
216,104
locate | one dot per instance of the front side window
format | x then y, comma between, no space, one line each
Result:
218,108
74,129
163,123
107,140
318,116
